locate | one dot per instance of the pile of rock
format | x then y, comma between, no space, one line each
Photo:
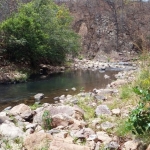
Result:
102,66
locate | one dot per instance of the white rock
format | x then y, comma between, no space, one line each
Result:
116,111
107,125
106,76
39,96
62,97
10,131
73,89
131,145
104,137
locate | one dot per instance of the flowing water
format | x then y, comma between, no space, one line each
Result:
53,85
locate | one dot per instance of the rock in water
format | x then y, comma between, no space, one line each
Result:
39,96
73,89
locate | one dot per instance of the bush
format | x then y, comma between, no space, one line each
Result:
47,120
39,32
139,119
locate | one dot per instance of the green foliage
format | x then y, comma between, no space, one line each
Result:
35,106
126,92
39,32
89,112
7,144
144,79
47,120
139,119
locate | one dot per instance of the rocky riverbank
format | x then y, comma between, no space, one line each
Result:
102,66
11,73
86,121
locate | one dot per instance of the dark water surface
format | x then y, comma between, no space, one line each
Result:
53,85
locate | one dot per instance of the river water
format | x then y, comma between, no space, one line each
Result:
53,85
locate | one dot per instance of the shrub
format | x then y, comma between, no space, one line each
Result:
39,32
47,120
139,119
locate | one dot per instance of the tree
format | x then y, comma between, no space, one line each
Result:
40,32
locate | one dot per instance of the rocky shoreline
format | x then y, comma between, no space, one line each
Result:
86,121
10,73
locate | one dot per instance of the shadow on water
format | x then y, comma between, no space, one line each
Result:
53,85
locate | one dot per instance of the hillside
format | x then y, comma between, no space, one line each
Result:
106,27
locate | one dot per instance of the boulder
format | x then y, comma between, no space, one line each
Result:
3,118
38,96
104,137
107,125
37,140
10,130
63,144
61,120
102,110
133,145
23,110
63,110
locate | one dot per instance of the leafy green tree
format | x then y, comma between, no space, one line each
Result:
40,32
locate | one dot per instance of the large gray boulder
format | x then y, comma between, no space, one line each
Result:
64,144
10,131
37,140
66,110
22,110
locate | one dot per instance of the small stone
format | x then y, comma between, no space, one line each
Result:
92,137
69,97
104,137
39,96
73,89
100,98
31,125
96,123
106,76
56,98
74,101
112,145
102,110
116,111
62,97
107,125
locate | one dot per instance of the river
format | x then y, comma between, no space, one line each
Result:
53,85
